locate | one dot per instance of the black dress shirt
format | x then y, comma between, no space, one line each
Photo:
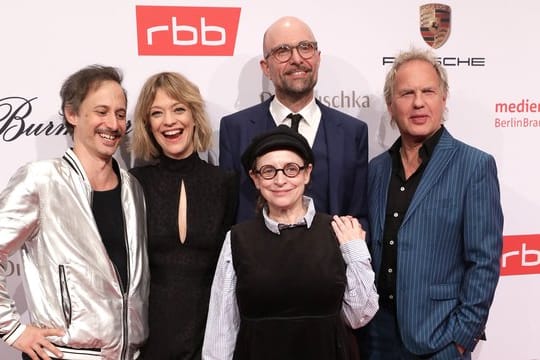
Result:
400,195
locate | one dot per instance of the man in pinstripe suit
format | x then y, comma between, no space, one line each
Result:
436,225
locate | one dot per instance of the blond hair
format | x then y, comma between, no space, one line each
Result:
178,87
410,55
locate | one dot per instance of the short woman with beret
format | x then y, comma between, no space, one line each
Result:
289,281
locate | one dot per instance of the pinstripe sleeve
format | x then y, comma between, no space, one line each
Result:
482,237
223,317
360,301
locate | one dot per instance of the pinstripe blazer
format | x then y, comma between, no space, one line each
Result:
449,245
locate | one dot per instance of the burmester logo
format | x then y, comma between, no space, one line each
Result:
16,120
182,30
521,255
15,113
435,24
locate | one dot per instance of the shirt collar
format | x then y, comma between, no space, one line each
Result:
425,151
306,220
279,112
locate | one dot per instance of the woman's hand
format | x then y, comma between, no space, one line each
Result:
347,228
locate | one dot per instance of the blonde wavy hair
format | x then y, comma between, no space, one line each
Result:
178,87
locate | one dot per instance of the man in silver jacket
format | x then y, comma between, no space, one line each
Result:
80,224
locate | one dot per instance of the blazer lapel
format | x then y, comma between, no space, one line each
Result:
260,120
381,192
444,151
335,138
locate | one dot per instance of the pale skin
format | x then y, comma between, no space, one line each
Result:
99,126
347,228
172,125
417,107
33,341
295,79
284,195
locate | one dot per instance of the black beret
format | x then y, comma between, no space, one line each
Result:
280,138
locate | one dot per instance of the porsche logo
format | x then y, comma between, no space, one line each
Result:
435,24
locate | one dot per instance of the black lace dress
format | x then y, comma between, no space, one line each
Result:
182,273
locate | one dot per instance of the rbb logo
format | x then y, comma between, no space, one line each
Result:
192,32
180,30
521,255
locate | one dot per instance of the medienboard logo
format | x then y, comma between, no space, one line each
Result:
521,255
182,30
523,113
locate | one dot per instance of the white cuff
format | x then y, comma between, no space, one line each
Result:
13,335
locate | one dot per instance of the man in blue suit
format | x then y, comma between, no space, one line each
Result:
339,141
436,225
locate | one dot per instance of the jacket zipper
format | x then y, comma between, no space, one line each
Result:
125,294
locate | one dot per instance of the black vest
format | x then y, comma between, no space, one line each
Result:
289,291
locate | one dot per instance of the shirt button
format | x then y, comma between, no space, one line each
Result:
396,214
391,242
390,270
402,188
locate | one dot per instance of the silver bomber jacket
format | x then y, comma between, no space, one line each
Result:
70,283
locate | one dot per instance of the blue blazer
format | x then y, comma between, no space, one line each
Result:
347,139
449,245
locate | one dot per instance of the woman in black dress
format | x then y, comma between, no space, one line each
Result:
288,282
190,207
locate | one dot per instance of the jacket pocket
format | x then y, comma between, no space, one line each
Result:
444,291
64,292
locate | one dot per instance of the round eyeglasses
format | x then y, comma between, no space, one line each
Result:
283,53
268,172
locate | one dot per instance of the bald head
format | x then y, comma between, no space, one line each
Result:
286,30
294,71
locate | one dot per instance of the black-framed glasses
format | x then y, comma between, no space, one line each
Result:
283,53
268,172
